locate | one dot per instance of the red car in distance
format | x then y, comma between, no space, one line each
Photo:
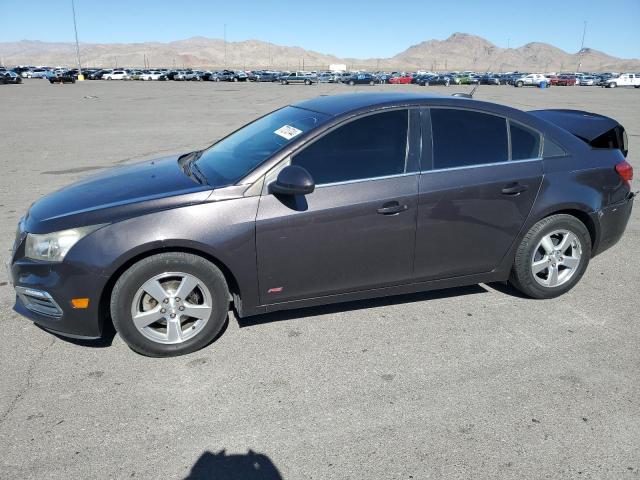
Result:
563,80
401,79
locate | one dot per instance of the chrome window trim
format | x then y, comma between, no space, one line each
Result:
360,180
465,167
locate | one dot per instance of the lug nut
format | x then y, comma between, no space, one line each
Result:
163,310
181,308
177,299
173,315
166,300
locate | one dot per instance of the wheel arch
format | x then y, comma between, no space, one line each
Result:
578,211
105,296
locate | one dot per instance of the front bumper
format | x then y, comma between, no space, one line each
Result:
39,284
611,223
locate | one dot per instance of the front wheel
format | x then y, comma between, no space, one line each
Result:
613,85
519,84
552,257
170,304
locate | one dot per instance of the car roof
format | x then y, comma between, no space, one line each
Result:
342,104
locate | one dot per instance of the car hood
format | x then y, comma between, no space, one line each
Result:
116,194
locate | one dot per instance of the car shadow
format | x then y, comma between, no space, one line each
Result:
508,289
220,466
359,305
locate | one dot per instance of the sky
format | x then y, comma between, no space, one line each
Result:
345,28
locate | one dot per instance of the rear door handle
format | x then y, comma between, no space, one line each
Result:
392,208
514,189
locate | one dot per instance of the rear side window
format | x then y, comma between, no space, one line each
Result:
525,143
370,147
552,149
464,138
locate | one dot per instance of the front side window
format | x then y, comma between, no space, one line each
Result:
233,157
466,138
369,147
525,143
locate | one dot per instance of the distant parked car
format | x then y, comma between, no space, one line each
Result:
587,81
624,80
117,75
193,76
10,77
338,76
152,75
267,77
403,79
326,77
298,77
533,79
562,80
427,80
64,77
360,79
468,80
490,80
35,73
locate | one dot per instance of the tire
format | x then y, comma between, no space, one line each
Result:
519,84
531,251
307,82
372,83
235,79
446,84
613,85
157,339
352,83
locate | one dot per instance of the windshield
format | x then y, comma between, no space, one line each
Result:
233,157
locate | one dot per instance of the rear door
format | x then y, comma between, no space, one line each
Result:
357,229
476,189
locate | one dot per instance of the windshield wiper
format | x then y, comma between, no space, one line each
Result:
195,171
187,162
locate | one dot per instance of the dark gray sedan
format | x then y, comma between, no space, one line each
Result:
332,199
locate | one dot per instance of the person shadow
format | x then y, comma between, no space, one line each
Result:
220,466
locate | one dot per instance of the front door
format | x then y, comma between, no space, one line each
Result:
357,229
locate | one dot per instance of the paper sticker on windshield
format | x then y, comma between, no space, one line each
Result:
288,132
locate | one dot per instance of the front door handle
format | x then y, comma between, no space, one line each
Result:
514,189
392,208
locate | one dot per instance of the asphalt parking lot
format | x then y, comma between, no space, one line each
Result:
473,382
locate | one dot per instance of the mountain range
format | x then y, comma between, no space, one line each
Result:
461,51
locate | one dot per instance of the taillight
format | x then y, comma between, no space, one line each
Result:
625,170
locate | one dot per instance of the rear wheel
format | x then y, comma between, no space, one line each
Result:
170,304
352,83
613,85
372,83
519,84
552,257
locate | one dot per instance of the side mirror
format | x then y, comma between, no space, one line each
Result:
293,180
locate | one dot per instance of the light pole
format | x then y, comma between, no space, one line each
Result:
75,28
225,45
584,32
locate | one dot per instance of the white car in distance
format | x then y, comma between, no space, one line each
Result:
116,75
624,80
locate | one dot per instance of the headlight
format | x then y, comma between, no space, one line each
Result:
54,246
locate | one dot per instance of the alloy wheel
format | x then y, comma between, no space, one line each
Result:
556,258
171,308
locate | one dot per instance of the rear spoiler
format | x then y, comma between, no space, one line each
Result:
596,130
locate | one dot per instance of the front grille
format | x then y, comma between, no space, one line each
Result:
39,301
